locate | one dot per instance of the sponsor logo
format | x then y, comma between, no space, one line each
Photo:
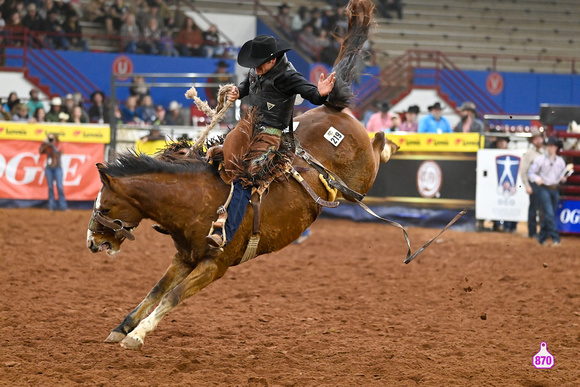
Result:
507,174
270,105
570,216
429,179
22,132
25,168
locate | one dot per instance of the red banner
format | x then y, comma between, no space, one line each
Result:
22,170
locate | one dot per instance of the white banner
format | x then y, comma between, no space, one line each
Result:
499,192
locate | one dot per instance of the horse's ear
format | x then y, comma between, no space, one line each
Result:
105,179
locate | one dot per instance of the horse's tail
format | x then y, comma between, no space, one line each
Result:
360,20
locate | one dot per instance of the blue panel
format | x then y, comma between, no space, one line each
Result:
555,88
521,93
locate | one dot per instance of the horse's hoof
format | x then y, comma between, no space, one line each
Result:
131,343
115,337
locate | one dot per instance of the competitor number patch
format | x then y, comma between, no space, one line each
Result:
333,136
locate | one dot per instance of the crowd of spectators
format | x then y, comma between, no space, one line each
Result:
313,30
139,108
54,24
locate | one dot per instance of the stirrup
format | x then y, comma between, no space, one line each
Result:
221,221
214,240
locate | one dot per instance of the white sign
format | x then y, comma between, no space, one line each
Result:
334,136
499,192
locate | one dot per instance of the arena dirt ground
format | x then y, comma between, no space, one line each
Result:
339,310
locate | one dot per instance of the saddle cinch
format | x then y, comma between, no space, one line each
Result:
277,167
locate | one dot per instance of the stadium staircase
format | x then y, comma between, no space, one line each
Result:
46,69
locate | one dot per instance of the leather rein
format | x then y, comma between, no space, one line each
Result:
101,223
336,182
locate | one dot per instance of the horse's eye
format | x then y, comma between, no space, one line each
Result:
105,211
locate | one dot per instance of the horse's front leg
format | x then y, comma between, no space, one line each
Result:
205,273
175,273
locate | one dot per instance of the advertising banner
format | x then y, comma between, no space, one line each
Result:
86,133
425,142
500,193
569,216
22,170
437,180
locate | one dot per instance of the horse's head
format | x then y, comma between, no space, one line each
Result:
114,217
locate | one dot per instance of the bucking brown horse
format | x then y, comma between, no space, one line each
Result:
183,197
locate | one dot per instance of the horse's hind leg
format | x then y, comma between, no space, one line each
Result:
175,273
205,273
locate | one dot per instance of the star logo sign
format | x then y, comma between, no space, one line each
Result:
270,105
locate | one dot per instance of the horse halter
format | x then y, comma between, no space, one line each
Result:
99,223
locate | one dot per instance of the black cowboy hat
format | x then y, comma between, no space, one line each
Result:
413,109
260,50
436,105
553,141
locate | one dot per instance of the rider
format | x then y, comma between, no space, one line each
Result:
271,86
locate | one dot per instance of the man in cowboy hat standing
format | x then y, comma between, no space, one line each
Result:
469,122
271,86
537,149
546,173
434,122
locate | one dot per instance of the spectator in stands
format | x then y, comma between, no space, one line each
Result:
55,109
146,110
395,123
110,30
307,42
39,115
130,35
77,116
34,103
329,18
139,88
175,117
154,14
299,20
20,113
160,118
154,135
165,14
381,121
469,122
316,20
546,173
74,32
129,111
97,11
69,104
4,115
16,30
190,41
98,111
211,93
118,11
55,37
153,39
434,122
32,20
211,43
410,124
284,19
52,148
46,7
537,142
12,101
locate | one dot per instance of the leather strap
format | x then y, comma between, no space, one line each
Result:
117,225
306,186
335,181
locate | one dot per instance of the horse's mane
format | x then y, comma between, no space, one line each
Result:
360,21
130,164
